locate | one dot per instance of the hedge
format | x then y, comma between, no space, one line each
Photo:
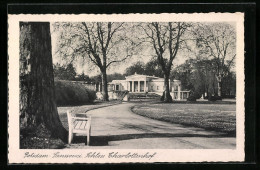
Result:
68,93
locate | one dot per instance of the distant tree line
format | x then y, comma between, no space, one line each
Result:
199,76
67,72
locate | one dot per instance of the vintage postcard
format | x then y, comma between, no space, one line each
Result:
125,88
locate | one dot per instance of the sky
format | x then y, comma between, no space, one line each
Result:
88,69
144,56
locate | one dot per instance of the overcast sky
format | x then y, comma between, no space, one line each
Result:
144,56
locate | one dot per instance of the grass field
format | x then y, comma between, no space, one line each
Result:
216,117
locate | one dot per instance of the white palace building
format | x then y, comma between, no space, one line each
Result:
138,83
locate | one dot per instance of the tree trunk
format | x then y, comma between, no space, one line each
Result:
219,85
37,95
219,88
104,85
207,92
167,95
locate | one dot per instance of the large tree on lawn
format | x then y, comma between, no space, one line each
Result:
37,96
218,42
102,43
166,39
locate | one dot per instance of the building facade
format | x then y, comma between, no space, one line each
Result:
138,83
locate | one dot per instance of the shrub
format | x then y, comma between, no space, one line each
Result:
162,97
196,95
214,98
229,96
68,93
218,97
92,95
192,98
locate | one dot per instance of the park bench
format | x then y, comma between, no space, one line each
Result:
79,125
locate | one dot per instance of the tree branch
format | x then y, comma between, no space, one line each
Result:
116,61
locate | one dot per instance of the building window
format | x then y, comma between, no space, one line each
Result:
184,95
175,95
117,87
157,87
175,88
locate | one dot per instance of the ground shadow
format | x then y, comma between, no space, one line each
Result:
103,140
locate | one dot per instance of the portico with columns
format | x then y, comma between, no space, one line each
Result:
138,83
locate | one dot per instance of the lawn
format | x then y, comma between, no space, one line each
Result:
216,117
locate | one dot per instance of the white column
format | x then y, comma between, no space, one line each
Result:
139,86
132,86
179,92
145,86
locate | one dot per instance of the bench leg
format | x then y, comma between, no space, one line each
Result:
88,137
88,140
70,137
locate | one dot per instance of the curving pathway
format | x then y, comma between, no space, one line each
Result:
117,127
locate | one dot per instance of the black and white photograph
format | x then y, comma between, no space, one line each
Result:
126,88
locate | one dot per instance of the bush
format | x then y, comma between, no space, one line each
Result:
92,95
228,96
68,93
214,98
218,97
196,95
192,98
211,98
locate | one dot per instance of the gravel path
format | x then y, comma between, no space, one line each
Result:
117,127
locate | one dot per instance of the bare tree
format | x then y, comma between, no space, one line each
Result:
166,40
37,95
217,41
104,44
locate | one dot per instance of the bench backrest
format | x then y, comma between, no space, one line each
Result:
71,119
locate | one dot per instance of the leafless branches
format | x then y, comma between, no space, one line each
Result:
165,37
217,41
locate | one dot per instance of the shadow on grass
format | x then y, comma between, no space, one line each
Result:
103,140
